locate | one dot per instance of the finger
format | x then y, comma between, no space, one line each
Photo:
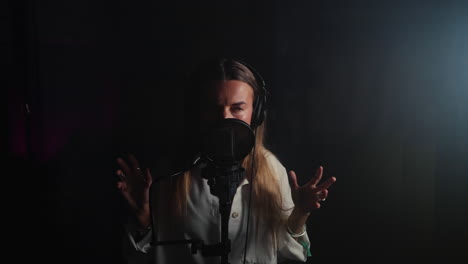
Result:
134,161
122,186
123,190
322,195
121,175
124,166
293,179
316,178
326,184
148,178
314,205
317,205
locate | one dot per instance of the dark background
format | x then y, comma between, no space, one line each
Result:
375,91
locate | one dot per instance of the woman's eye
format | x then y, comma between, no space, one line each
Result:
237,109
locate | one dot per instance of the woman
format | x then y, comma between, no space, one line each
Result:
268,228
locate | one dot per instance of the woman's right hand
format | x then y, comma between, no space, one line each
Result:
134,184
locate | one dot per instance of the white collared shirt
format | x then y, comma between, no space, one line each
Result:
203,221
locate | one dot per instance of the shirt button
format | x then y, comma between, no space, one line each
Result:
235,214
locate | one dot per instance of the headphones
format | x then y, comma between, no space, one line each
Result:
260,100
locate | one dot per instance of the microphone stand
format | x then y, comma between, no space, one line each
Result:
223,181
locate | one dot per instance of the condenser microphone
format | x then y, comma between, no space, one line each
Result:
228,142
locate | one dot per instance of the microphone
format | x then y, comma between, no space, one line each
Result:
228,143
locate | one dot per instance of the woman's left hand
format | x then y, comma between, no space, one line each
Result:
308,197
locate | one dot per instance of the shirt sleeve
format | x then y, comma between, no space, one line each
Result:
288,247
140,241
137,246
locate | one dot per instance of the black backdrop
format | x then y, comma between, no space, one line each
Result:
375,91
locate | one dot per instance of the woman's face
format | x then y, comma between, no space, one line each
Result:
231,99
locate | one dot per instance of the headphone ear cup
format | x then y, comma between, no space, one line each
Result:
255,117
258,111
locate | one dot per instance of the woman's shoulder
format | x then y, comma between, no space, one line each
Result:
273,160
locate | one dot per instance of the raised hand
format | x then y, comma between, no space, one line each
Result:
308,197
134,185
